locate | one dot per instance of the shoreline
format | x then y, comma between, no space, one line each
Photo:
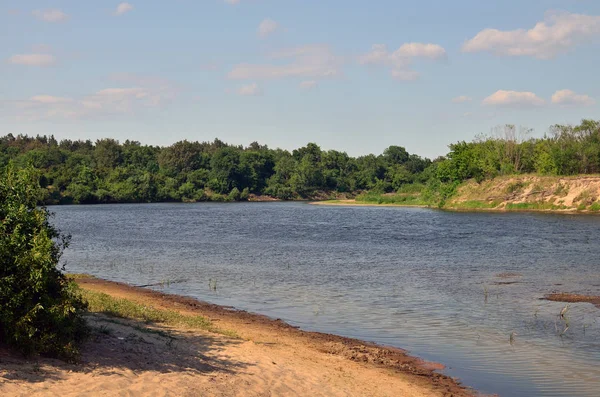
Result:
353,203
209,349
252,327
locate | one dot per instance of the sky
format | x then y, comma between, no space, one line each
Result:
356,76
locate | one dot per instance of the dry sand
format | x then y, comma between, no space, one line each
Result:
270,358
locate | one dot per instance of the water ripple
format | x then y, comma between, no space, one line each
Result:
424,280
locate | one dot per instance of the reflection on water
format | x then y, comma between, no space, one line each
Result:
462,289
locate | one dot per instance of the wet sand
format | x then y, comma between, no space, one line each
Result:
574,298
270,358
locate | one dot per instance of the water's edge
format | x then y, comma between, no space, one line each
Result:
397,359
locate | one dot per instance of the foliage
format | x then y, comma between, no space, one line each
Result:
475,205
569,150
392,198
106,171
39,310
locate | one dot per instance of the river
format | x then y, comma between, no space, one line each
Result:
462,289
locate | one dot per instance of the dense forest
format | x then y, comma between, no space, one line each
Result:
107,171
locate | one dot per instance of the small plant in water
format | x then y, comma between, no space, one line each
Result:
485,294
563,316
511,338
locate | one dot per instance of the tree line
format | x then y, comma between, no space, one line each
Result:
107,171
564,150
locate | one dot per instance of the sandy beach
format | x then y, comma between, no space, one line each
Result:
126,357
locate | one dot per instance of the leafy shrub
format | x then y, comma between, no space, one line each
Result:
234,195
40,312
516,187
245,194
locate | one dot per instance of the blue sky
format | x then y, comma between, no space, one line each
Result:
349,75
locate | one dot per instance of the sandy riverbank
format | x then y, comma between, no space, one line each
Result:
516,193
353,202
270,358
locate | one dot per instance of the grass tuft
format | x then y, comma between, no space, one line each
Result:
122,308
475,204
540,205
78,276
398,199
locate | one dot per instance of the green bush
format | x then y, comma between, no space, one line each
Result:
234,195
40,312
245,194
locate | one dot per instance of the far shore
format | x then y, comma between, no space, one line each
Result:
354,203
235,353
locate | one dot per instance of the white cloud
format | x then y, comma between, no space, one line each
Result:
568,97
461,99
315,61
148,93
49,99
52,15
378,55
513,98
250,90
123,8
555,35
122,100
400,60
420,50
308,84
267,27
32,59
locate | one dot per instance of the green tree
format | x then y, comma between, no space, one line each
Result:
39,310
108,154
225,170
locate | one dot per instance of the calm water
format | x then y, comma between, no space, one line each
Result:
419,279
